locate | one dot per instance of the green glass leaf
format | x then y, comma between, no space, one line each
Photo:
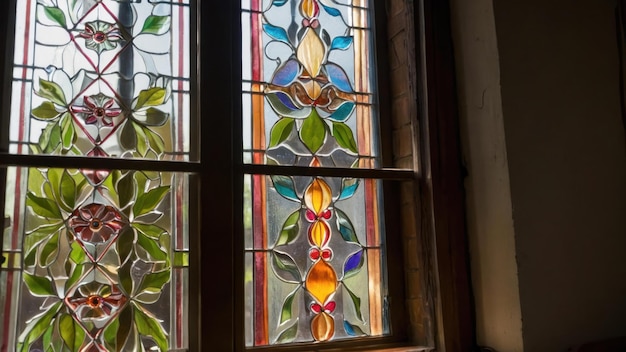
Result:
345,227
110,334
79,337
281,131
45,111
68,190
356,302
343,136
156,117
43,206
148,325
37,326
77,254
68,133
150,200
313,132
53,138
150,97
35,180
124,244
38,285
155,141
125,188
156,25
154,282
290,230
285,267
55,14
125,278
51,91
125,319
128,136
66,328
143,143
152,248
38,235
150,230
76,274
285,312
49,251
285,110
47,336
289,334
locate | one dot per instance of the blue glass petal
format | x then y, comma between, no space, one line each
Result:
341,43
286,74
349,190
276,32
354,262
344,111
285,99
349,328
285,187
338,77
331,11
279,2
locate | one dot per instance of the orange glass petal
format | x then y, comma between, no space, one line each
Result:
318,196
313,89
309,8
311,52
321,281
322,327
319,233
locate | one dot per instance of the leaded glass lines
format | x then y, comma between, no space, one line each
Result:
316,246
103,251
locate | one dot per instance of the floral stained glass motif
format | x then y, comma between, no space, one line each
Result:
97,257
314,244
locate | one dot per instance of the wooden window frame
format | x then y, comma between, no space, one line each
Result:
216,311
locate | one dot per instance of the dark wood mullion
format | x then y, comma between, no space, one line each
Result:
443,193
216,239
384,174
7,34
85,162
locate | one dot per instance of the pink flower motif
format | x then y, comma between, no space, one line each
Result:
96,301
98,107
96,177
96,222
100,36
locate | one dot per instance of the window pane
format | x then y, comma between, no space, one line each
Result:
95,267
314,262
101,78
308,96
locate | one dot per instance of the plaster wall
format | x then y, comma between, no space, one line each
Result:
489,212
567,164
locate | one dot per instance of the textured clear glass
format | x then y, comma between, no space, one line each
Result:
314,244
98,258
101,78
94,267
308,92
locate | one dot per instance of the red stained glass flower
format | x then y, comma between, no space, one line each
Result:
98,107
96,301
96,222
100,36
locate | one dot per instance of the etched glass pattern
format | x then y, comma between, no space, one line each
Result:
97,258
313,244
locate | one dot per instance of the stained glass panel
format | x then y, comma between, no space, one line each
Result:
97,259
314,245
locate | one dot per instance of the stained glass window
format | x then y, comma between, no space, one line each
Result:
98,258
315,259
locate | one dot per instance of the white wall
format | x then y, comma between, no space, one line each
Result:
566,159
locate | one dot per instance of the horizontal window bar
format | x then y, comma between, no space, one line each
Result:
384,174
83,162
